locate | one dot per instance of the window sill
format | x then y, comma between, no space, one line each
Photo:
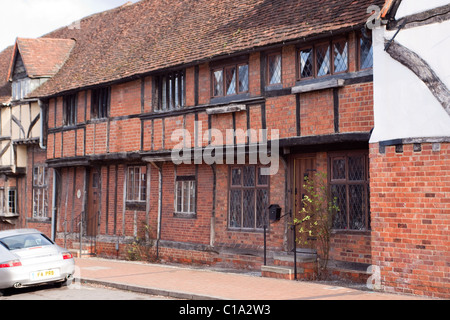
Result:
353,232
330,82
9,215
234,229
230,99
136,205
227,109
184,215
39,220
318,85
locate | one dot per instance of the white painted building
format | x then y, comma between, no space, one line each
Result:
404,106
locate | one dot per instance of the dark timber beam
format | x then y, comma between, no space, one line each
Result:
423,71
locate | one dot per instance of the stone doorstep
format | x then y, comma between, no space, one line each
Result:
278,272
86,251
301,257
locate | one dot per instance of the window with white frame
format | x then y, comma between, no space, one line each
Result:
12,201
137,183
40,192
3,201
185,195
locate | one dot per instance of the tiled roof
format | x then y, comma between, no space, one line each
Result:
43,57
157,34
5,85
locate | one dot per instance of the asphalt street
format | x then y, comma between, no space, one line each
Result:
76,292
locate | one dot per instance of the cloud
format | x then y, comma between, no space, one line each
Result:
34,18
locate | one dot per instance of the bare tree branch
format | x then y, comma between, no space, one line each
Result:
423,71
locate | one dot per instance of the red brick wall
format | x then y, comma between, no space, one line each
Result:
356,108
317,113
316,118
281,115
410,204
124,136
186,229
126,99
253,239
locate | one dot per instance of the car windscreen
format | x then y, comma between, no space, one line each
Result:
24,241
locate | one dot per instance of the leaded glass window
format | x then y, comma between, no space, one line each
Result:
248,198
230,80
349,186
274,68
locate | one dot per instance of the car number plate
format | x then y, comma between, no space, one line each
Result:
45,274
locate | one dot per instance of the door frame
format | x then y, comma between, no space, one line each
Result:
92,218
295,194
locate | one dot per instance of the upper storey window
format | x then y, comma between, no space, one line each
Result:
274,68
21,88
171,91
323,59
365,52
100,101
70,110
230,80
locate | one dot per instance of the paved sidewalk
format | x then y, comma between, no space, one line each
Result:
199,284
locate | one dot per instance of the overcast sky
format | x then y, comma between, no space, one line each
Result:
34,18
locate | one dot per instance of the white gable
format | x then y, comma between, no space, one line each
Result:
404,105
409,7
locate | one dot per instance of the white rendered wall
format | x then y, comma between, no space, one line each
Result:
409,7
404,106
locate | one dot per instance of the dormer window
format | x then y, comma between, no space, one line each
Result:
34,61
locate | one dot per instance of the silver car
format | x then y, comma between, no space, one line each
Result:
29,258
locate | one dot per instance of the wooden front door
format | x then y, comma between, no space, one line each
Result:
303,167
93,209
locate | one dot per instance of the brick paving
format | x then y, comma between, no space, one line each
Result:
204,284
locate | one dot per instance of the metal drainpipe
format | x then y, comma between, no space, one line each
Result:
54,206
41,145
158,237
